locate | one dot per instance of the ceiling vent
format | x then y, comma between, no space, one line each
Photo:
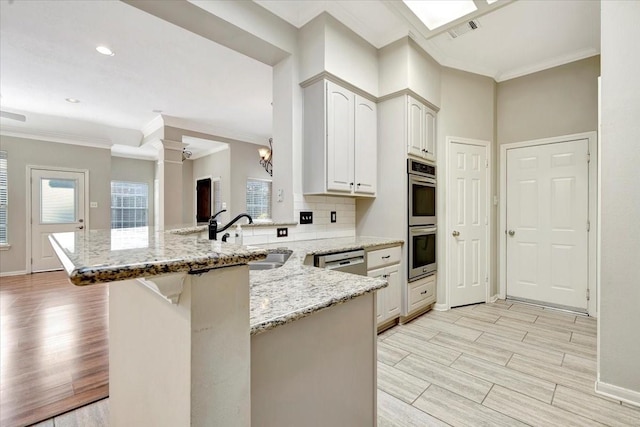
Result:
464,28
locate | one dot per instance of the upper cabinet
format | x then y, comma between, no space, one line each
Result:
421,130
340,141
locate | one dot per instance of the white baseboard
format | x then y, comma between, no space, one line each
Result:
493,298
631,397
13,273
440,307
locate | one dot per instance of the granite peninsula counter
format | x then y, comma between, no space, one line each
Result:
225,345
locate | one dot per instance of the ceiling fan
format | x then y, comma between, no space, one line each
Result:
13,116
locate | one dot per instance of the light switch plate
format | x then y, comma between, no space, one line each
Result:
333,216
93,204
282,232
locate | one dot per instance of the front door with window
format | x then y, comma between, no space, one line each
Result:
57,206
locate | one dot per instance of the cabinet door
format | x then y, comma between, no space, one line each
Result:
415,127
380,296
366,146
392,296
340,138
429,134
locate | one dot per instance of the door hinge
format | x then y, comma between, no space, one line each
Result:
588,157
31,260
588,295
588,225
486,163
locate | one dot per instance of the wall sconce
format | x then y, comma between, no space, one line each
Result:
186,154
266,154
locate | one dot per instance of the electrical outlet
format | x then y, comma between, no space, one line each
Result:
333,216
282,232
306,217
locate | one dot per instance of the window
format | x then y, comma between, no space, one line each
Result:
259,198
129,204
4,198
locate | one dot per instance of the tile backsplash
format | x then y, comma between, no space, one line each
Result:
322,227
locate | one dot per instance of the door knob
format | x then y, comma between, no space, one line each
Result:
511,232
455,233
81,227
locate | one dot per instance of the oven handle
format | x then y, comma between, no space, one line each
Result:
416,178
429,230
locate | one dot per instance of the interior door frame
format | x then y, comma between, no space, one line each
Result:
444,234
29,187
592,249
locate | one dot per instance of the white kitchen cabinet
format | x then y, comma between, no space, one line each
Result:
388,299
421,294
421,130
340,141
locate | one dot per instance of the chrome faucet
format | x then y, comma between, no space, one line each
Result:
213,224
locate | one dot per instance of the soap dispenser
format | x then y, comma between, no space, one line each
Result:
238,240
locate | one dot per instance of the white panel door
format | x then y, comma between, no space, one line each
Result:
366,146
547,213
468,224
340,138
57,206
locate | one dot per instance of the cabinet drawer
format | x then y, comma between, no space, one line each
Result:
421,293
382,257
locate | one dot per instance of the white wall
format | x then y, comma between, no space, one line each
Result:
134,170
619,302
327,45
404,65
22,152
216,165
244,164
467,111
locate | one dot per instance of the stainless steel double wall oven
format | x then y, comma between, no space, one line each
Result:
422,219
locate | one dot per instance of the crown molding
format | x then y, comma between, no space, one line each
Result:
152,126
59,137
545,65
207,152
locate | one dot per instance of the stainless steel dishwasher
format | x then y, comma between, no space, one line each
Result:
348,262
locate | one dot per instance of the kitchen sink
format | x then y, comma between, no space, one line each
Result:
273,260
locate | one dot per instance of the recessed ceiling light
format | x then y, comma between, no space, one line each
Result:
72,100
105,50
436,13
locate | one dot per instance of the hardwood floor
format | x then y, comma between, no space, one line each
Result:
488,364
54,347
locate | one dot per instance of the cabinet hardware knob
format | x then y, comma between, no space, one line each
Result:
358,184
455,233
351,184
423,292
81,227
386,257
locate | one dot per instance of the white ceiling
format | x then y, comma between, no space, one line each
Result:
47,54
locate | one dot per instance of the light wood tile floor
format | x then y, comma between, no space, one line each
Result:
477,366
501,364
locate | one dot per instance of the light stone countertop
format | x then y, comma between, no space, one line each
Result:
294,291
100,256
277,297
